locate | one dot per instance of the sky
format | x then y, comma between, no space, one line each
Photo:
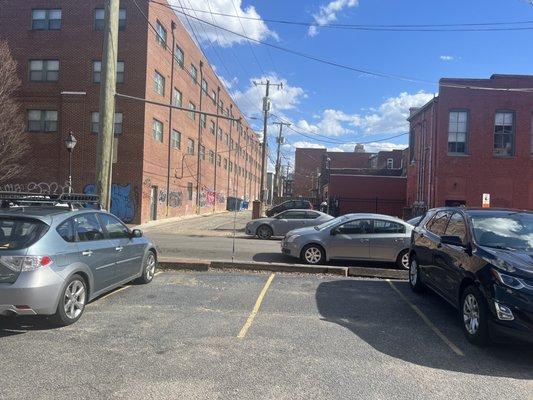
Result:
336,108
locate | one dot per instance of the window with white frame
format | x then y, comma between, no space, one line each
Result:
202,152
161,34
44,70
179,56
504,133
194,73
42,120
192,114
97,71
390,163
177,98
211,157
46,19
175,139
190,146
214,97
219,133
157,130
159,83
219,160
457,132
212,127
99,19
225,163
203,120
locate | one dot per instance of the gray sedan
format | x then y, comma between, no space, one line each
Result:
285,221
372,237
54,260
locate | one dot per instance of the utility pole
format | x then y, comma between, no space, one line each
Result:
173,28
104,151
266,109
198,166
278,157
216,149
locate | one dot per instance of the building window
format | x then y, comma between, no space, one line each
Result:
219,160
175,139
230,166
214,97
159,83
212,127
189,190
225,163
203,120
211,157
97,71
44,70
42,121
226,137
202,152
219,133
504,134
194,73
161,34
179,56
190,146
48,20
192,114
204,86
157,130
177,98
99,19
457,130
231,144
390,163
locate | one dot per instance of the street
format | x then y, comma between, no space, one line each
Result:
312,337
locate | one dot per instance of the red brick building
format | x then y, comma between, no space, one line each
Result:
58,47
467,142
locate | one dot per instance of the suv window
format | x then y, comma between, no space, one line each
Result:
437,224
19,233
114,227
382,226
457,227
66,231
357,227
88,228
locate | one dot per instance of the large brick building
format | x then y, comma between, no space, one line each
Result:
58,47
467,142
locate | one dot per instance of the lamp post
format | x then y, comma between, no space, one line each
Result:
70,143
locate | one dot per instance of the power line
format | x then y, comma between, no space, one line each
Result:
457,27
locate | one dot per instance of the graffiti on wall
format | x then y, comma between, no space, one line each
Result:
122,200
174,198
36,187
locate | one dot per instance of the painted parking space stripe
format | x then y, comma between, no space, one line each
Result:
427,321
120,289
257,305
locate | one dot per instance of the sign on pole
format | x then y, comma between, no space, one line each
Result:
486,200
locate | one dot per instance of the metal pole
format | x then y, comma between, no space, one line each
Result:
278,157
173,27
198,169
263,151
104,152
70,170
216,150
229,155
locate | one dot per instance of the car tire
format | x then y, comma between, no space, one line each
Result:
402,261
72,302
264,232
149,268
474,315
313,254
415,282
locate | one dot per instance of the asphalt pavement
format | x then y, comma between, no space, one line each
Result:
320,337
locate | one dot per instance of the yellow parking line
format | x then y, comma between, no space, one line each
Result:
157,273
424,318
114,292
255,310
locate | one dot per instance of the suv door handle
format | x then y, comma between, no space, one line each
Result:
398,240
119,248
87,253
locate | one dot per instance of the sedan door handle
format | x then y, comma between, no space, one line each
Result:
119,248
365,240
87,253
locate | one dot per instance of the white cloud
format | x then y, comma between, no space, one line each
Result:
254,28
327,13
250,101
447,58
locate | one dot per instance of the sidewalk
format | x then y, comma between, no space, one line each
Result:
161,222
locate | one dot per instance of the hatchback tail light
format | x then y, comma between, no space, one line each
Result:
25,263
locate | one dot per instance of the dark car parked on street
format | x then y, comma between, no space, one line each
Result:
480,261
289,205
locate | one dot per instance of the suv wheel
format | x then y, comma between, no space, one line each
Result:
149,266
474,316
414,276
313,254
264,232
72,302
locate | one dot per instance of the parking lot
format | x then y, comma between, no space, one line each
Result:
226,335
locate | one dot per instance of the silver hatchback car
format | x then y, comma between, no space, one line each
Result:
372,237
55,258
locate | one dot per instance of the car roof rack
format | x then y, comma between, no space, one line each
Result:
72,200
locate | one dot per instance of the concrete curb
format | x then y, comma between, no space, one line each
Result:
171,263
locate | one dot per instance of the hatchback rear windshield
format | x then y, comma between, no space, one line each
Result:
504,231
19,233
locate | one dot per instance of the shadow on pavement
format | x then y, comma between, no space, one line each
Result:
281,258
377,315
10,326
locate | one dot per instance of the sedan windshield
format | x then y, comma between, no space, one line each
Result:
504,231
331,223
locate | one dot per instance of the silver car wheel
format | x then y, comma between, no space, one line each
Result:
471,314
405,260
413,272
264,232
150,266
74,299
313,255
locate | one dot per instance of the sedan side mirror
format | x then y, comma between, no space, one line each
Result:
333,232
452,240
136,233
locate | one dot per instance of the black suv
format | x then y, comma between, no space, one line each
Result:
289,205
480,261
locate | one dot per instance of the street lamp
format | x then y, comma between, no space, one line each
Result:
70,143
